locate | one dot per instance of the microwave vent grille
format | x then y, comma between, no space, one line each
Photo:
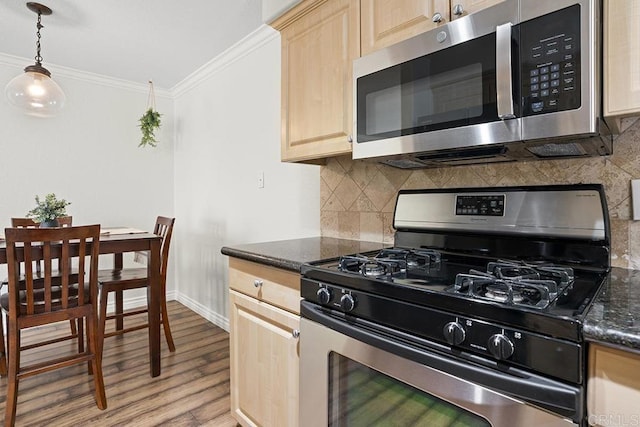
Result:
558,150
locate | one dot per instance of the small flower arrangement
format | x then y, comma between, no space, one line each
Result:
49,209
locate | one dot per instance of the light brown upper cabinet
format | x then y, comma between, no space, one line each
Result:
460,8
386,22
320,40
621,66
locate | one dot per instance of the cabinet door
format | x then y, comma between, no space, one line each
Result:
621,66
613,387
318,48
264,363
385,22
460,8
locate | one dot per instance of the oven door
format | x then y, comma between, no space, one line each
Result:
347,378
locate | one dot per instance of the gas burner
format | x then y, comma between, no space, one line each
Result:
373,269
508,269
503,293
520,292
371,266
392,263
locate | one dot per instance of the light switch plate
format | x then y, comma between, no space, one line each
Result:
635,198
260,178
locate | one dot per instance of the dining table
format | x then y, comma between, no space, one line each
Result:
121,240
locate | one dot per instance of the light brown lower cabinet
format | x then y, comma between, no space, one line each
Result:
264,346
613,387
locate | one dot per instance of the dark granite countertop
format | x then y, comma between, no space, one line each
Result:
291,254
614,317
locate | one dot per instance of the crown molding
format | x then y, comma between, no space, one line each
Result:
248,44
84,76
244,47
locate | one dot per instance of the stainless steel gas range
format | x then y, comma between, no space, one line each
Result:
474,317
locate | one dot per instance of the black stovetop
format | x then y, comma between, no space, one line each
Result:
435,286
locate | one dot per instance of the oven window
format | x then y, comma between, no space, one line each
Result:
449,88
361,396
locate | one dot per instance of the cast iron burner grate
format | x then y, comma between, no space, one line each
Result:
534,285
392,263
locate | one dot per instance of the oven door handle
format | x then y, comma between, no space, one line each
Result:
553,395
504,78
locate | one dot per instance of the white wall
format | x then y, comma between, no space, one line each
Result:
227,118
221,127
87,154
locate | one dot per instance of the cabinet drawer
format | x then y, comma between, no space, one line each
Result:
272,285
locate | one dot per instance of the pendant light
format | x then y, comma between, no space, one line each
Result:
34,91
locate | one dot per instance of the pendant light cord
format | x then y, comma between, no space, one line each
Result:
39,26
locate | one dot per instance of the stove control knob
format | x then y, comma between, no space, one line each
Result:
347,302
454,333
500,346
324,295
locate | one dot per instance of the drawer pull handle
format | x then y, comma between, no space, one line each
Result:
257,283
295,333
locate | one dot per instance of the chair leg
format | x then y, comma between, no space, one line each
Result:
119,300
93,343
3,349
165,324
79,333
102,319
12,380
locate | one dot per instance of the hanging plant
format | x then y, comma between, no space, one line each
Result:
150,121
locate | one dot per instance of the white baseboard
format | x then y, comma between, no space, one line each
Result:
203,311
211,316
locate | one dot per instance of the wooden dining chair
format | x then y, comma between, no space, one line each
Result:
118,280
28,305
65,221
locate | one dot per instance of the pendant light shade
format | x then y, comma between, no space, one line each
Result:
35,92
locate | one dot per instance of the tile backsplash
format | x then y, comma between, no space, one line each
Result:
357,198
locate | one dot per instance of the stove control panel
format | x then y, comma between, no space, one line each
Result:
480,205
497,343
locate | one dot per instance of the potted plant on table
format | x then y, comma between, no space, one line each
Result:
48,210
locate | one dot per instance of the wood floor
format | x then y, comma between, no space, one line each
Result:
193,389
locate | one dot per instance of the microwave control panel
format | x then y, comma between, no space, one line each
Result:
550,58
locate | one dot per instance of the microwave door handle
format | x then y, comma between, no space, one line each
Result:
504,79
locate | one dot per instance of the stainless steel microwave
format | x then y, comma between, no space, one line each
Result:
518,80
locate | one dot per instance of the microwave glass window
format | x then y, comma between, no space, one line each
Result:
361,396
449,88
442,98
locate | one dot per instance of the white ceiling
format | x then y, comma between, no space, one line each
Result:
135,40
